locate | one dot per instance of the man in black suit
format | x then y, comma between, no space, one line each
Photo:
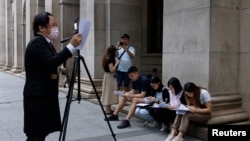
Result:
40,102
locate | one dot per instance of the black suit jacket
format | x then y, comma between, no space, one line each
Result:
41,105
41,67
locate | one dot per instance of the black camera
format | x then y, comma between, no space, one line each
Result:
121,44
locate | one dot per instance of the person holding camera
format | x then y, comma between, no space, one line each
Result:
125,54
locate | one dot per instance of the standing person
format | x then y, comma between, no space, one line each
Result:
109,64
125,54
140,89
40,101
200,108
165,113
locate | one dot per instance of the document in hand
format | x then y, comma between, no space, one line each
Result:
142,105
161,105
84,28
182,109
119,93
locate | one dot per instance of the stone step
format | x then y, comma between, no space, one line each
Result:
224,102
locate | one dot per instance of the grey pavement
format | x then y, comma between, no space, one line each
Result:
85,122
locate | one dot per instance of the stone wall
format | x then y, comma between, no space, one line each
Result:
244,54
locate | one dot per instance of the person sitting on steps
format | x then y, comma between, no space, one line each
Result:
160,94
200,108
140,89
165,114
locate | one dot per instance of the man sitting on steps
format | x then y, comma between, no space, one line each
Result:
140,89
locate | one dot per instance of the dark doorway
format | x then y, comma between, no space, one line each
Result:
154,26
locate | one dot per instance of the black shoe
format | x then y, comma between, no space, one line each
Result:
110,113
124,124
112,117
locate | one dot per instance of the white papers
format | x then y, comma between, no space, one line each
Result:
182,109
119,93
142,105
84,27
160,105
163,105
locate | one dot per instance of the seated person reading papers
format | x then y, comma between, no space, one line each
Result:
160,93
200,108
140,89
164,112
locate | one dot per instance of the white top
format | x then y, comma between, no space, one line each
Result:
126,60
204,96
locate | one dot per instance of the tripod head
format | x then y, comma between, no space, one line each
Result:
76,30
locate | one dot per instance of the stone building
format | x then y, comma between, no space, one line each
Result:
204,41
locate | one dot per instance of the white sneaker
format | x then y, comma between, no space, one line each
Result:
145,123
177,139
152,124
163,127
169,138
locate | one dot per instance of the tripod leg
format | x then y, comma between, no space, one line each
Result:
98,97
69,100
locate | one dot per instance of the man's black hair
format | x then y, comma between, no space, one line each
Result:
125,36
41,19
132,69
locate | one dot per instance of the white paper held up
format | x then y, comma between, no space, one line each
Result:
119,93
84,27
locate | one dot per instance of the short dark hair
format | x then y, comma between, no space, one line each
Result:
125,36
132,69
41,19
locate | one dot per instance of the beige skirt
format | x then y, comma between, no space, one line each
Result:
108,87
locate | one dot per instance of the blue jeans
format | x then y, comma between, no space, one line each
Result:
144,114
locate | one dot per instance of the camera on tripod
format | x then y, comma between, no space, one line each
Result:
75,31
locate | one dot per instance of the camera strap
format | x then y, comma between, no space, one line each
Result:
123,53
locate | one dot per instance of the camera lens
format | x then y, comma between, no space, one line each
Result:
121,43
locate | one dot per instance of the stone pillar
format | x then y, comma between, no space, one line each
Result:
109,20
201,44
244,59
18,36
31,10
2,34
8,35
87,11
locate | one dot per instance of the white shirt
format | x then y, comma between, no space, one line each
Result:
126,60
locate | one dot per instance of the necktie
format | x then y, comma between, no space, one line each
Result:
53,48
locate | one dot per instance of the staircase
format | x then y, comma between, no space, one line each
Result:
226,110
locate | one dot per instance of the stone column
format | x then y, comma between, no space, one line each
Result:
109,20
18,36
2,35
8,35
244,59
31,10
201,44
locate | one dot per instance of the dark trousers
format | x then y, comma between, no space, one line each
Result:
36,138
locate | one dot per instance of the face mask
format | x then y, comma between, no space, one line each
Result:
54,33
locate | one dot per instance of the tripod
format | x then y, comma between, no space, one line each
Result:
76,68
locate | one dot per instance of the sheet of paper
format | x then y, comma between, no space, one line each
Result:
84,28
182,109
142,105
119,93
160,105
